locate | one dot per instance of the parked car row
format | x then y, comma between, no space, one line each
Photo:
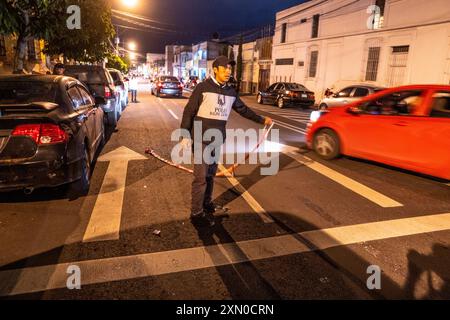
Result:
52,127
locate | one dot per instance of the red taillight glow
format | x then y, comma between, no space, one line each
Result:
42,134
160,85
107,92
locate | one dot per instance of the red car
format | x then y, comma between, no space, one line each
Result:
406,127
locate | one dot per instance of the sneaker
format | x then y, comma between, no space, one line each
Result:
210,219
210,208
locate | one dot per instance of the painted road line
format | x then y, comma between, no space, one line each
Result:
346,182
38,279
104,224
265,217
173,114
290,127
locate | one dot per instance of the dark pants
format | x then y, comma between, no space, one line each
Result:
203,184
133,95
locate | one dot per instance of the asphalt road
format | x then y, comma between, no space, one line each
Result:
309,232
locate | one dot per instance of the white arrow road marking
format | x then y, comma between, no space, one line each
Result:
38,279
105,219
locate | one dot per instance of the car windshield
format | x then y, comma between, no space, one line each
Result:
88,76
27,92
294,86
168,79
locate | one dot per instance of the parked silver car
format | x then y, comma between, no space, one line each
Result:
121,85
348,95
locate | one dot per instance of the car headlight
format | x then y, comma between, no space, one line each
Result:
315,115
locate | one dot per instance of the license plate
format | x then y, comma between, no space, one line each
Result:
304,96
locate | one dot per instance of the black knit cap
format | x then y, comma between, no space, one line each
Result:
223,61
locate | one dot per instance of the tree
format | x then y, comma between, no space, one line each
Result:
239,64
29,19
116,62
91,43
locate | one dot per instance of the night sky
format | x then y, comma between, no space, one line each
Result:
196,20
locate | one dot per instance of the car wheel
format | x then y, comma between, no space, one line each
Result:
323,106
112,119
260,99
81,186
280,103
326,144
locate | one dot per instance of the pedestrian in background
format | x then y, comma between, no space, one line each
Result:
133,89
59,69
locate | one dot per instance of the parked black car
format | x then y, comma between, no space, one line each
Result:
100,84
284,94
50,132
167,85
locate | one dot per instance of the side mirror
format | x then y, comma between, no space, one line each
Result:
355,110
100,101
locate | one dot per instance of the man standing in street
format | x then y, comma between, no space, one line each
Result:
133,89
210,105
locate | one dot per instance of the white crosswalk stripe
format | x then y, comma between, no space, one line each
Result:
293,115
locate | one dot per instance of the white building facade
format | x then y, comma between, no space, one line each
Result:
334,43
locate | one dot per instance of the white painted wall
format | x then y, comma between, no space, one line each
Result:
344,41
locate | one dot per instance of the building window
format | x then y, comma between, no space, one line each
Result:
31,50
283,32
313,64
378,18
2,46
398,66
284,62
315,26
372,64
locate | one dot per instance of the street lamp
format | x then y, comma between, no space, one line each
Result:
130,3
132,46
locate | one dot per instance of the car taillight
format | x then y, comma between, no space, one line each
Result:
42,134
107,92
160,85
180,86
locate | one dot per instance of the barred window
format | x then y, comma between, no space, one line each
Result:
313,64
372,64
2,46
